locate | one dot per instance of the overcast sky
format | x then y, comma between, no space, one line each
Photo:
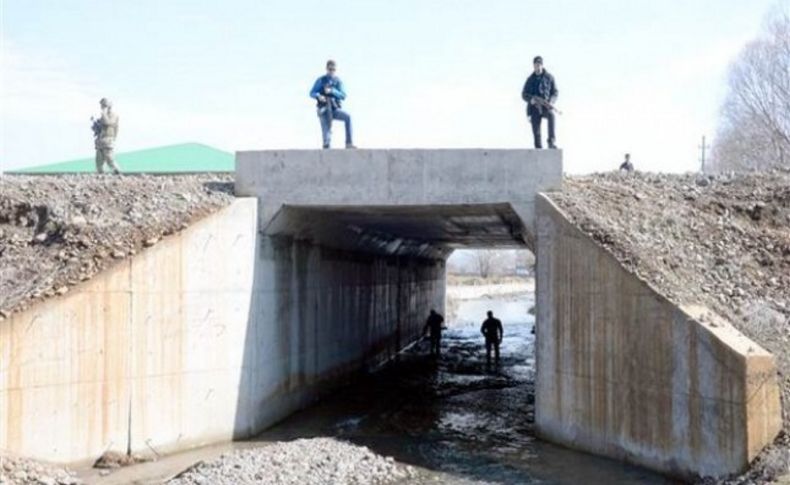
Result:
642,76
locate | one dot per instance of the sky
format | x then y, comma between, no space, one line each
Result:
639,76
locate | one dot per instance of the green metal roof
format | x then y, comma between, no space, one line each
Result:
183,158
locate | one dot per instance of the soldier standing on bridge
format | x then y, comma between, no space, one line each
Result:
493,332
434,326
540,93
329,94
105,129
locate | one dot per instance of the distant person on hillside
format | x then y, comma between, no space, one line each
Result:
329,94
540,94
493,332
433,326
105,129
627,166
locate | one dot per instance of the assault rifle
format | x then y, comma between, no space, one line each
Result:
543,103
328,105
96,126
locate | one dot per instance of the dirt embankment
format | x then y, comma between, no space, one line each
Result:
721,241
56,231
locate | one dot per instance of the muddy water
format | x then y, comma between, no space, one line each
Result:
456,419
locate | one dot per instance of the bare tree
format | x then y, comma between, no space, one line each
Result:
488,261
525,261
754,132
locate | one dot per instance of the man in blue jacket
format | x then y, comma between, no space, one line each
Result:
329,94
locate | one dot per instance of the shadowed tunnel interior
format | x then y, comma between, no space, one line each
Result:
422,231
338,289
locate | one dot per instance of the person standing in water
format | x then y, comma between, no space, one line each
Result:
493,333
433,326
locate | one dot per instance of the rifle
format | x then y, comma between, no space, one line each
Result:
96,126
328,106
542,102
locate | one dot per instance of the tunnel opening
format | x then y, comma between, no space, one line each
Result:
484,287
455,418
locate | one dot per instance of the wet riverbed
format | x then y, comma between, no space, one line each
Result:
455,418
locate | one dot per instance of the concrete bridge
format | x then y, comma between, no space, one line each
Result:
621,370
421,203
328,263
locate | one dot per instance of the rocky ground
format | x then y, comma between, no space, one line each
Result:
313,461
723,241
56,231
18,471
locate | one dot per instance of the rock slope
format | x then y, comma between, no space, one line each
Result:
56,231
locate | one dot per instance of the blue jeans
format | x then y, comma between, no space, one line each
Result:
326,125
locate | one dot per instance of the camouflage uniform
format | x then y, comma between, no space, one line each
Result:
105,141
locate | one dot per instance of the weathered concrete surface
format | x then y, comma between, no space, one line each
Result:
322,314
211,334
399,178
145,355
623,372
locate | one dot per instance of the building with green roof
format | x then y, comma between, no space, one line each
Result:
182,158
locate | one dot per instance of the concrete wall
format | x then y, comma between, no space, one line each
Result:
398,177
213,333
623,372
322,314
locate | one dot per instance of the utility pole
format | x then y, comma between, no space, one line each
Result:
702,148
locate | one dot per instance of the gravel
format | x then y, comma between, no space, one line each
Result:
313,461
56,231
721,241
19,471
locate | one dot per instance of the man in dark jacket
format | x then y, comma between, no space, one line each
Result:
434,326
540,93
492,331
627,166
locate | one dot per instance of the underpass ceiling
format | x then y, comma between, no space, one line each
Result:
421,231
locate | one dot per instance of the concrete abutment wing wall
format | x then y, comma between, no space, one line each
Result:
624,372
213,333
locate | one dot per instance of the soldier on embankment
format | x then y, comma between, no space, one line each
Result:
493,333
329,94
105,129
540,94
433,326
627,166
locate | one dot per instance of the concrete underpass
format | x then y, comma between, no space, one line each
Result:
328,263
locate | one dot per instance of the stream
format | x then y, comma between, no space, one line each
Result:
455,419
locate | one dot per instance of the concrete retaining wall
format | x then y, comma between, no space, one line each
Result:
213,333
623,372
